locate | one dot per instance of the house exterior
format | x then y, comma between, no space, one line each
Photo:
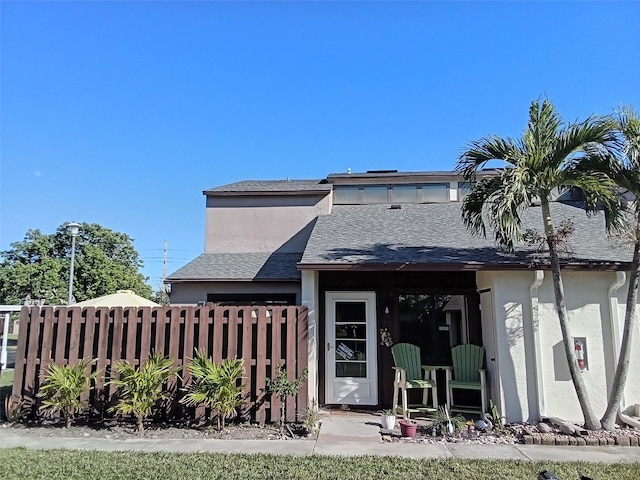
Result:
385,253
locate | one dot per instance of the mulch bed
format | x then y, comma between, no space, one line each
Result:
518,433
124,431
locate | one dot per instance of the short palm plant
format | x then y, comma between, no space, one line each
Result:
140,389
216,385
62,387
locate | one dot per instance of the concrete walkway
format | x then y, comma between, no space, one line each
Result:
342,433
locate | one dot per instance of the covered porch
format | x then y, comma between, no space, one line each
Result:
354,313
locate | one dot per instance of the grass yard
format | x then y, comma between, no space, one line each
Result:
69,465
6,378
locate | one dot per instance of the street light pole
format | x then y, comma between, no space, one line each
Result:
72,229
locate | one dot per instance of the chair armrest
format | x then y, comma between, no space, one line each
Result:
430,371
400,375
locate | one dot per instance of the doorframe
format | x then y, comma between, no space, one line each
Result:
370,299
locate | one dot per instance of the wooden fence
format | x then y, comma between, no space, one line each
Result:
263,336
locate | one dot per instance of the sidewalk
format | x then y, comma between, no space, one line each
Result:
341,434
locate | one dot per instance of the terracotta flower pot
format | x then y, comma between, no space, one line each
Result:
408,429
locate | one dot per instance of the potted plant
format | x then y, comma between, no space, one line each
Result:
408,428
446,424
388,419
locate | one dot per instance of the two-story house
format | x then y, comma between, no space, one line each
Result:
386,252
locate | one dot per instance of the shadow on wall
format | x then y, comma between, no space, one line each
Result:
560,365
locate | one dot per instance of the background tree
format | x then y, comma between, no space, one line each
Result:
545,159
38,266
160,296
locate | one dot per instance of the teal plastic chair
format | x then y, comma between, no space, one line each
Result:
467,374
410,373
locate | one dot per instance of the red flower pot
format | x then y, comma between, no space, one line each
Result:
408,429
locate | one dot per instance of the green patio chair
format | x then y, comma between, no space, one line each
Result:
410,373
467,374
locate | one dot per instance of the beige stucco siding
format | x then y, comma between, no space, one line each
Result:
239,224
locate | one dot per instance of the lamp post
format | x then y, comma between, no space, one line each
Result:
72,229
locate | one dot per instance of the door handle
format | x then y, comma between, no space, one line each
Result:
328,346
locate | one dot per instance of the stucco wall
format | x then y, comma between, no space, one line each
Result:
523,393
192,293
238,224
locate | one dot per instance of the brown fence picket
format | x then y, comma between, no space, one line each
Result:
61,336
145,333
132,330
303,356
276,359
218,325
74,339
21,353
65,335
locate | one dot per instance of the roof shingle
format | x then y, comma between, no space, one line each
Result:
435,234
260,266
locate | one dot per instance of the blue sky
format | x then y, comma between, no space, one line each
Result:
122,113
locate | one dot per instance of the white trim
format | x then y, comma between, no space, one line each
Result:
310,295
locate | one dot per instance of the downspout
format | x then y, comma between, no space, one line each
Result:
621,278
535,328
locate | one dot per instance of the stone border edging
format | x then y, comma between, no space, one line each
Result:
551,439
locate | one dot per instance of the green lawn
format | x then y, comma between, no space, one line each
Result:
68,465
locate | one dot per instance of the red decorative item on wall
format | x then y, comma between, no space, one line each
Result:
580,355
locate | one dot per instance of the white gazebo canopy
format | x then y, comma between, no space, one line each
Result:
122,298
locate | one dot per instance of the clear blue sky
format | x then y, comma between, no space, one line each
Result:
122,113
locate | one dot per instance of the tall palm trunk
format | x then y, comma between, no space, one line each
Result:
622,369
591,422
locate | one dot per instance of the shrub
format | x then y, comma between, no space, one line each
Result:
283,388
215,385
62,387
140,389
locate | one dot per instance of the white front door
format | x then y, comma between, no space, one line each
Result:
351,355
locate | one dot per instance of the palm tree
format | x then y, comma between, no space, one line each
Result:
545,159
624,169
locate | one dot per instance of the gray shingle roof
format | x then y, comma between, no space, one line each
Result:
261,266
435,234
264,186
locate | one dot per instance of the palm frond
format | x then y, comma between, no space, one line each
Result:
485,150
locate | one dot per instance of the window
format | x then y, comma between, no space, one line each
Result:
375,194
235,299
404,194
346,195
435,192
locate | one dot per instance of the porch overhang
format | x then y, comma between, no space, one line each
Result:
460,267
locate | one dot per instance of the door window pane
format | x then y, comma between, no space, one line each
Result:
351,339
351,312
